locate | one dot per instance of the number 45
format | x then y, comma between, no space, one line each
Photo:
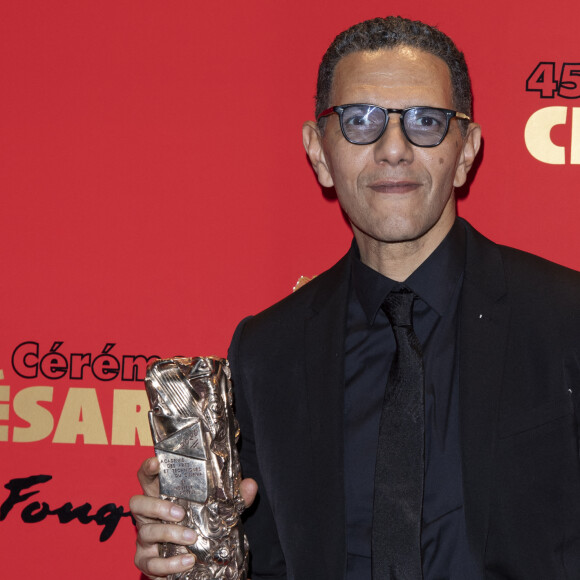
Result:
543,80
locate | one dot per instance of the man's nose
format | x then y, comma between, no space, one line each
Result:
393,147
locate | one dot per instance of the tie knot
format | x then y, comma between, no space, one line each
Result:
398,306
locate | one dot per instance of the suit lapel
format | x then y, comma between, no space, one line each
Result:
483,337
324,353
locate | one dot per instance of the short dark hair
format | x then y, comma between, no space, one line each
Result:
391,32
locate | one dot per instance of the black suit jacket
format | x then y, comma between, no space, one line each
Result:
519,396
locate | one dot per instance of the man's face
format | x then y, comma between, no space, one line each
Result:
393,191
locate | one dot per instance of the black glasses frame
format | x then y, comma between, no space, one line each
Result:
339,110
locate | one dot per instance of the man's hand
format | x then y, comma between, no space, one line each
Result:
148,511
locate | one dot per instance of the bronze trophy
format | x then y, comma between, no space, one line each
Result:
195,433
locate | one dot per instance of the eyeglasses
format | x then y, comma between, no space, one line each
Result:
365,124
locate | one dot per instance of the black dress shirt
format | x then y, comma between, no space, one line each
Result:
369,351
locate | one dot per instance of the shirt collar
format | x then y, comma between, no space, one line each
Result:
433,281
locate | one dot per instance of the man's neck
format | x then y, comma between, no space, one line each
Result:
398,260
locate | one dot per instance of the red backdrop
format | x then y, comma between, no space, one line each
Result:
155,191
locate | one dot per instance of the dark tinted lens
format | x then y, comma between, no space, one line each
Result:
362,123
425,126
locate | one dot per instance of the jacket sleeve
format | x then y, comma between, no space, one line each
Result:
266,557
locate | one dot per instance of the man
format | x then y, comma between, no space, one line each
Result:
480,477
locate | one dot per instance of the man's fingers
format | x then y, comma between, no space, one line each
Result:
158,568
248,489
147,555
145,508
148,510
151,534
148,476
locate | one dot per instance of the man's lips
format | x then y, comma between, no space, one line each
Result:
394,186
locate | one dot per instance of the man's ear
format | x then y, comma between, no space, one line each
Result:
312,140
471,144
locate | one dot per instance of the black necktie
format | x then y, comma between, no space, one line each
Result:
399,472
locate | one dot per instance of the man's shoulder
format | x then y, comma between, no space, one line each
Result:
310,294
290,313
524,273
520,262
532,269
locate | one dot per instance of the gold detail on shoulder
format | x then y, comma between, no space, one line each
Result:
302,281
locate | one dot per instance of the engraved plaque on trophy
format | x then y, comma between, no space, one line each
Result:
195,432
